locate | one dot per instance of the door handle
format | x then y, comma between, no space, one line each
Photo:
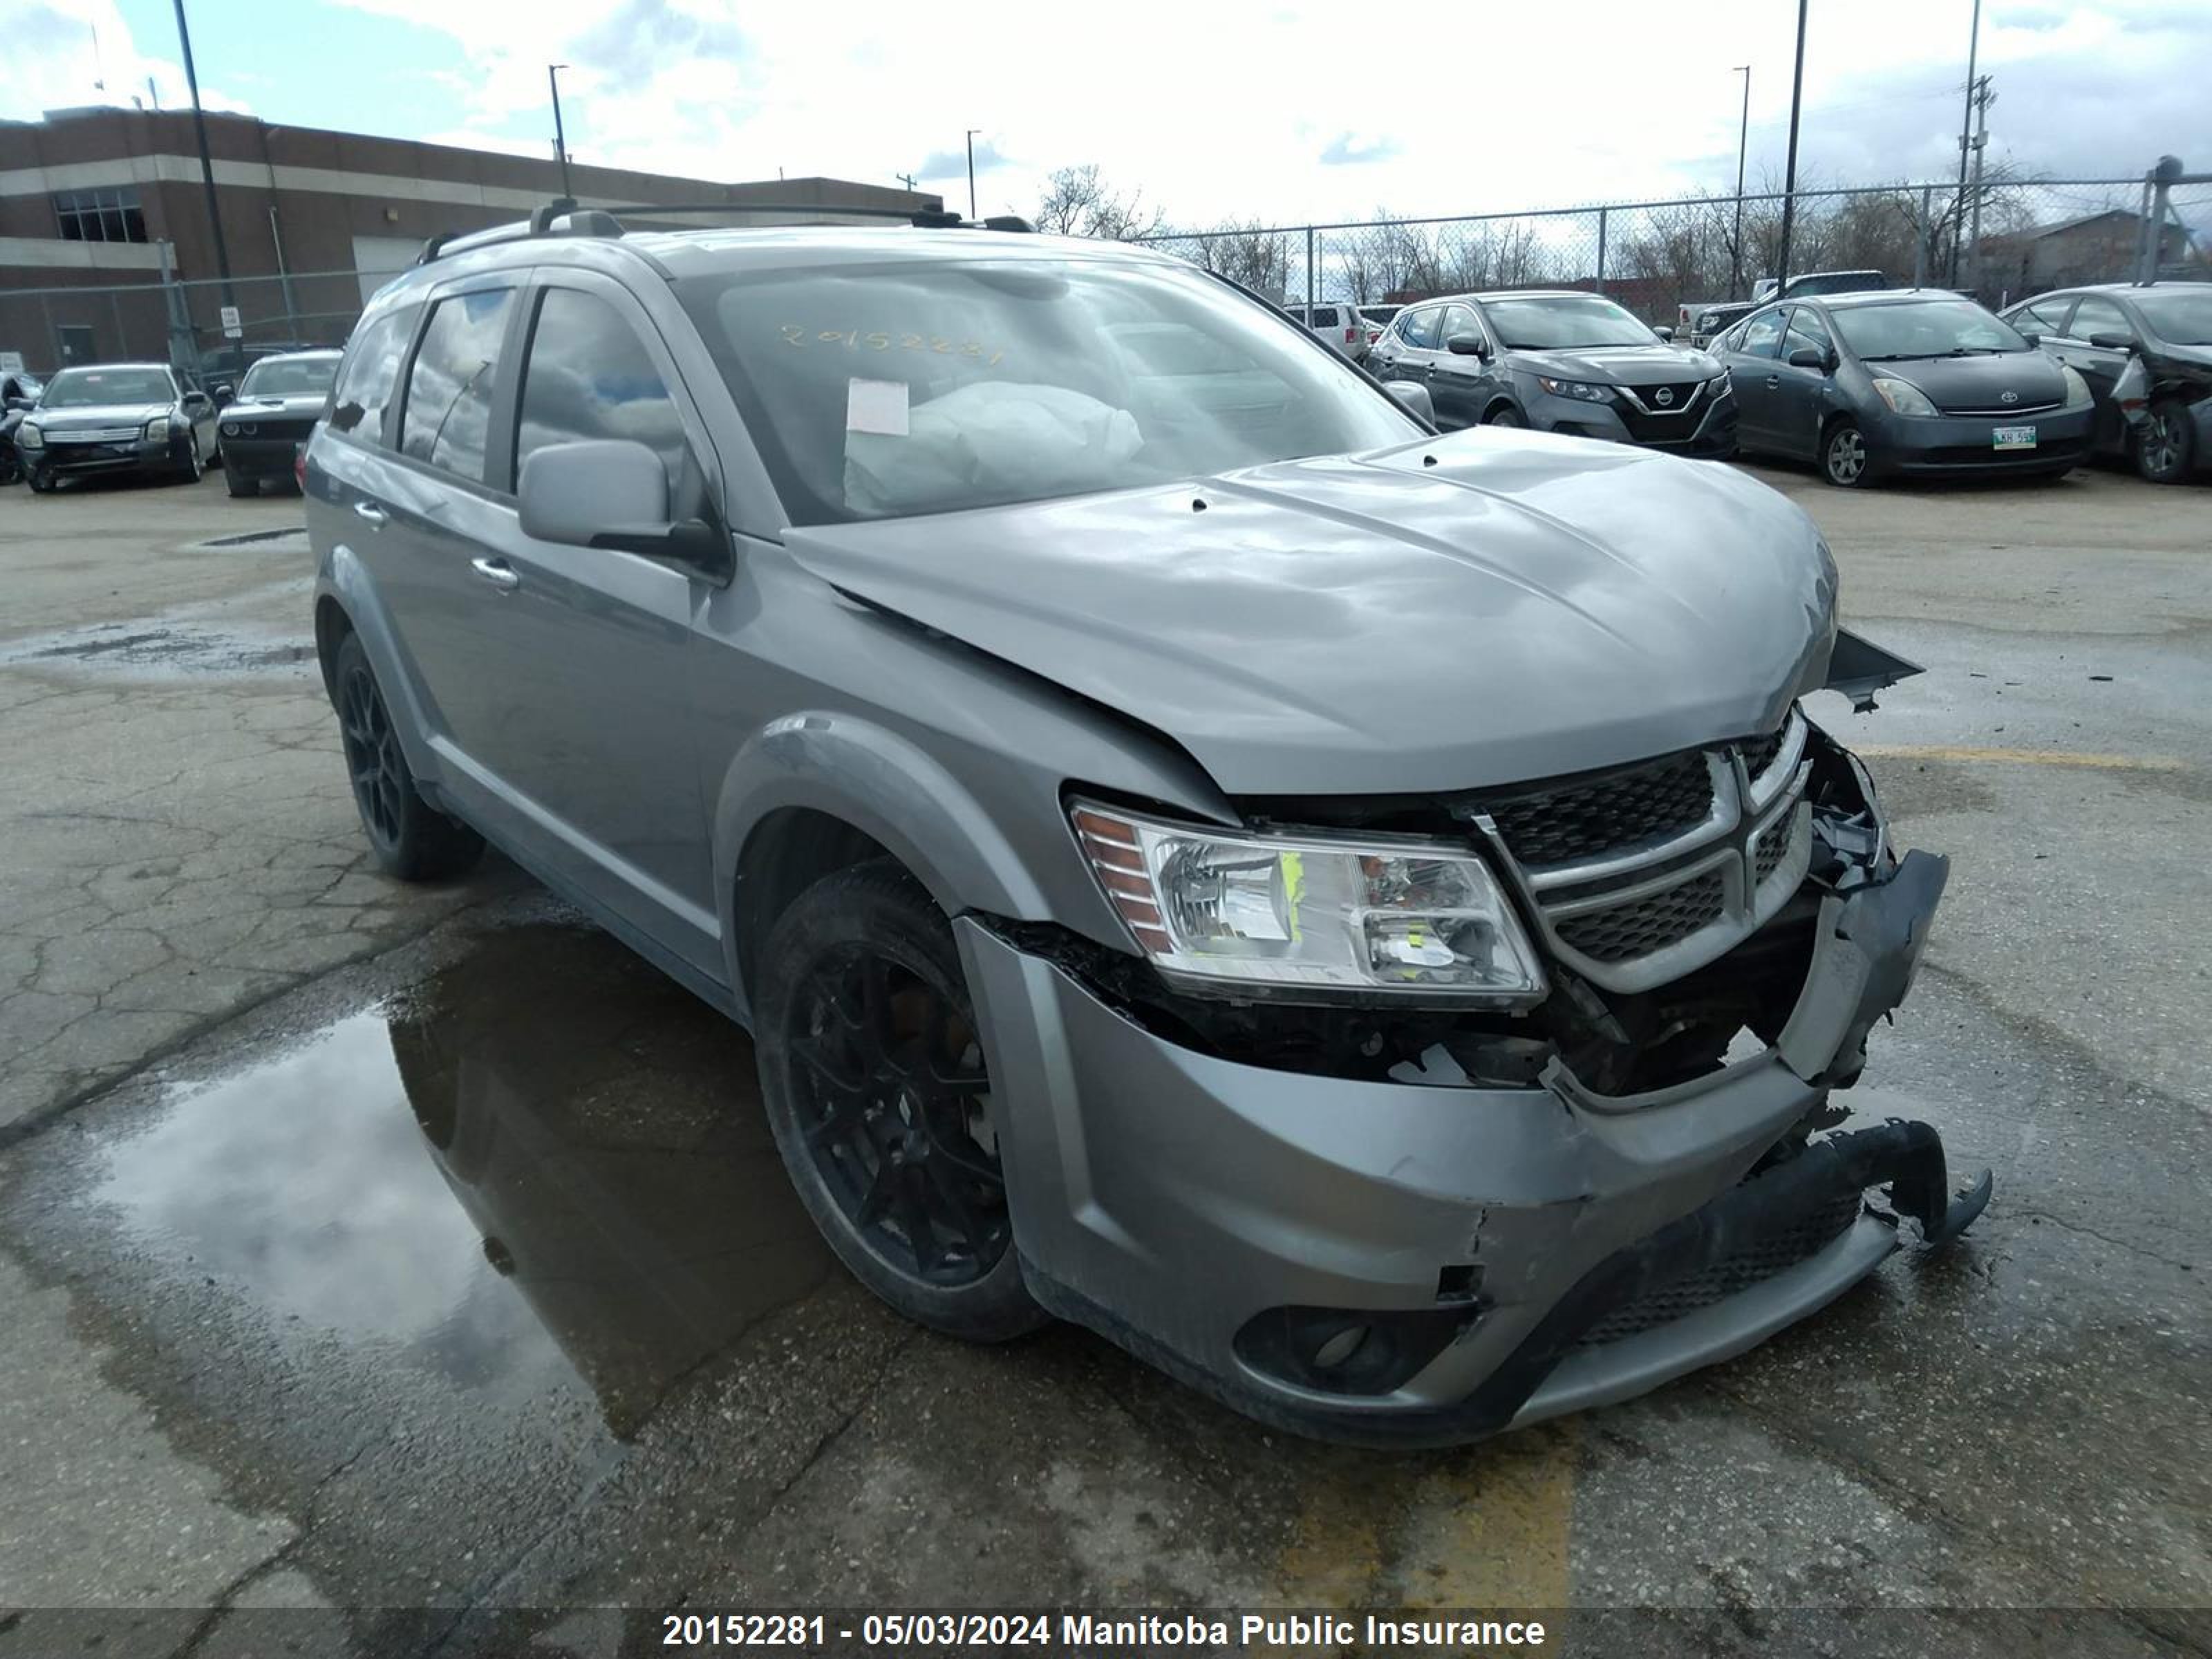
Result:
371,511
498,572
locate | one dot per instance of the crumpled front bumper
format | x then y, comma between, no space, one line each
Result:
1173,1200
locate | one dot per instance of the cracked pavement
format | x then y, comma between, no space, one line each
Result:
363,1248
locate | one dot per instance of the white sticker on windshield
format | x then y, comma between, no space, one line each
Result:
878,406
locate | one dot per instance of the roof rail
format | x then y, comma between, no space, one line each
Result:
561,217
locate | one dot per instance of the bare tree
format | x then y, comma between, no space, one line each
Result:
1078,202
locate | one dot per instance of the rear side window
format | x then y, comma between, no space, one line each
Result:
369,371
1324,317
1420,328
447,416
2096,315
588,376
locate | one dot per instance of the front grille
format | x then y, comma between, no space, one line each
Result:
1678,397
1612,815
1753,1261
1586,839
1773,846
105,435
1625,932
2000,412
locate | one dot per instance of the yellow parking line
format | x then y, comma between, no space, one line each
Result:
1483,1528
1952,751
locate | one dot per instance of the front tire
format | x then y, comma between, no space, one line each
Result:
2166,448
1505,415
1845,461
410,838
42,480
239,484
192,469
878,1093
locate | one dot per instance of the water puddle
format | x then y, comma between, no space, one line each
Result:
546,1163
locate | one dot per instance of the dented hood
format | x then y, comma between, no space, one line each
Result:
1469,611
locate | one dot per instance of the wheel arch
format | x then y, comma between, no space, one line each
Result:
816,793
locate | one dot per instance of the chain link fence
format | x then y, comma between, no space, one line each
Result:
2020,238
1655,257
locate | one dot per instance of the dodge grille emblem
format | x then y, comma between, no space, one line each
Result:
1664,396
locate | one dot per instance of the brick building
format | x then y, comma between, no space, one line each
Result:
96,204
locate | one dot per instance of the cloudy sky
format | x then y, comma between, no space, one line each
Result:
1238,108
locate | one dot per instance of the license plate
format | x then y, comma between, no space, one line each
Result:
2013,437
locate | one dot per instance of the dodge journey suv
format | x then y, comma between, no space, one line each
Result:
1361,918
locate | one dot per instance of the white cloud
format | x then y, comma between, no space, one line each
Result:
63,54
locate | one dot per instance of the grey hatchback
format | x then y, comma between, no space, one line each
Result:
1357,916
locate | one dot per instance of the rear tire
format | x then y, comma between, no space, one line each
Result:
410,838
1845,461
2166,447
878,1093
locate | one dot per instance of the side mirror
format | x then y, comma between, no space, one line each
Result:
15,403
195,399
2033,339
1467,345
610,493
2113,341
1414,396
1665,331
224,392
1809,357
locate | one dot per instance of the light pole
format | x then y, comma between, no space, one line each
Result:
560,137
1965,141
1790,168
1742,143
972,132
207,163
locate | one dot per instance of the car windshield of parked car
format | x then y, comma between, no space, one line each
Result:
289,377
88,388
2178,316
1565,323
886,389
1923,328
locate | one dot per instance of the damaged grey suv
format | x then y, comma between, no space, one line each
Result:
1359,917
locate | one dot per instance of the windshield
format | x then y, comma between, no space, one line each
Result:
84,388
2181,316
289,377
881,390
1922,328
1564,322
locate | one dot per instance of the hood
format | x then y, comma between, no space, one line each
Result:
1654,365
1980,382
70,419
2183,356
303,402
1525,606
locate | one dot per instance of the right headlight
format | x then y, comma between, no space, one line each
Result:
29,437
1311,917
1902,396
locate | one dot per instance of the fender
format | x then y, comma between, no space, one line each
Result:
886,785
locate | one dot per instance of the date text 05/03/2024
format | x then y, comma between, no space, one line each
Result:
1099,1633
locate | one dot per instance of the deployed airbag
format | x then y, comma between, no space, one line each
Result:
1004,439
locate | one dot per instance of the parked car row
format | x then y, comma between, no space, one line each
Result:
150,419
1926,382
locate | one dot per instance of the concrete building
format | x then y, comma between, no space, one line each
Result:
96,204
2093,247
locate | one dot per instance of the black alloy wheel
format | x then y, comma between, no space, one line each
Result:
2162,448
411,839
894,1099
374,762
878,1091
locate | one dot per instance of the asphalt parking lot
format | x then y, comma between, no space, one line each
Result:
364,1247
